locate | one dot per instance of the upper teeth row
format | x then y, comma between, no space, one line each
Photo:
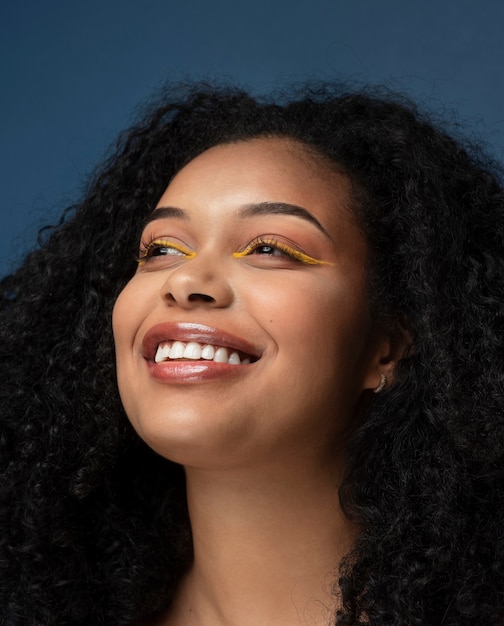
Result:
194,351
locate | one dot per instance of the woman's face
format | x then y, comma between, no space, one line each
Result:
244,335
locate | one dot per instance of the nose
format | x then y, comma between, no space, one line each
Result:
198,283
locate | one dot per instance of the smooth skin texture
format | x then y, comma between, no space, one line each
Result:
262,443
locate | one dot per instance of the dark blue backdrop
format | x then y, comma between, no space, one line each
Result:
72,73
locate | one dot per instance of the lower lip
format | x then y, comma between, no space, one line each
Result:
187,372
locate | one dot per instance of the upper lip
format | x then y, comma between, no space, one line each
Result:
190,331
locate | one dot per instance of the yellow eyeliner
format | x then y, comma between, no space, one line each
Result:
290,252
163,243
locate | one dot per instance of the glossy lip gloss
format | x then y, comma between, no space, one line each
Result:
182,371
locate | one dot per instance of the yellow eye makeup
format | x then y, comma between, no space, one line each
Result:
260,248
273,248
163,248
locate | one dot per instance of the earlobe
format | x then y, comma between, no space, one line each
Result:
382,385
392,348
381,371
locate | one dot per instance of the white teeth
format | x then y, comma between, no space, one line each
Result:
208,352
221,355
177,350
163,352
194,351
234,358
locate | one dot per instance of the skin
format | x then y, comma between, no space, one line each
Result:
262,444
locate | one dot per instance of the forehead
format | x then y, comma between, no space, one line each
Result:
280,157
261,170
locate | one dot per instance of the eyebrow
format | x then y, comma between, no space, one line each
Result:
166,212
248,210
281,208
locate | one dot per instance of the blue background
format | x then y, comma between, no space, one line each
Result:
72,73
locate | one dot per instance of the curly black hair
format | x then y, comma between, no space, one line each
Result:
94,527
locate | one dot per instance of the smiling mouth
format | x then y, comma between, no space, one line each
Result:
195,351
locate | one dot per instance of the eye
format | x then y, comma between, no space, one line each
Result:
268,247
163,248
270,250
271,247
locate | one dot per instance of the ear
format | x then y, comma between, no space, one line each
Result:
390,347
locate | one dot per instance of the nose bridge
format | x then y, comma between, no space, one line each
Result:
203,280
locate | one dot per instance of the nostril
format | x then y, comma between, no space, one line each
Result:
200,296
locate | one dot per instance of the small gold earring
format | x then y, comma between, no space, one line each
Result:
382,385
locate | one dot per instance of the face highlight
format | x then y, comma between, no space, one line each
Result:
245,335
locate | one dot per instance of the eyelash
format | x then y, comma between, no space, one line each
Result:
148,248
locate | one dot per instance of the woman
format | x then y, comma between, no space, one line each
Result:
306,299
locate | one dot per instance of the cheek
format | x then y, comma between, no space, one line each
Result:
322,331
121,321
129,311
327,310
120,318
127,317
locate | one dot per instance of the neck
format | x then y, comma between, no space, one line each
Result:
266,547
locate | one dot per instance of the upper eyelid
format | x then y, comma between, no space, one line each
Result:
151,240
271,239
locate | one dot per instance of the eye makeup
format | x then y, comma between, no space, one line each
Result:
273,247
163,248
262,246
